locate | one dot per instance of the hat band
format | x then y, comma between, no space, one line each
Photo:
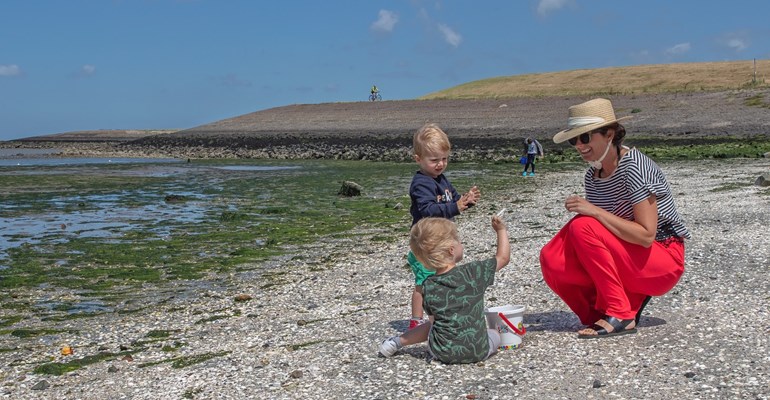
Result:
575,122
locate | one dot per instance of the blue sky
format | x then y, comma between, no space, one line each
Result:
173,64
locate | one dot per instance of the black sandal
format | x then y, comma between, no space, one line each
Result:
639,313
618,328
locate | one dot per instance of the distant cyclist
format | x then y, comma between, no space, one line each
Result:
375,94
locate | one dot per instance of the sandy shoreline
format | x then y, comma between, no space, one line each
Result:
316,336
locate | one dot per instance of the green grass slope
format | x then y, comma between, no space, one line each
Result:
641,79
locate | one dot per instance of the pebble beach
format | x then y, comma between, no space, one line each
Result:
316,335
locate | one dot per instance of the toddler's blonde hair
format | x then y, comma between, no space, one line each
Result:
430,240
430,138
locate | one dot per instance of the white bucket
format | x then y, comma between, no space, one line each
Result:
509,322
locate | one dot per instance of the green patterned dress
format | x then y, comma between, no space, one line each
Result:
455,299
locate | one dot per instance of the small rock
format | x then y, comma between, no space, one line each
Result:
763,180
597,384
112,368
350,189
689,375
42,385
242,297
296,374
174,198
128,358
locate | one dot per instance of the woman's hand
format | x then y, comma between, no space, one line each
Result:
580,205
640,231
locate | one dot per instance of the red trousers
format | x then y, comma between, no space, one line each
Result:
598,274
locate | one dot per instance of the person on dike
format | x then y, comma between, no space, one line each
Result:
432,196
532,149
454,296
626,243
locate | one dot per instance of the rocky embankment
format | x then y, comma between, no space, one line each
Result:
479,129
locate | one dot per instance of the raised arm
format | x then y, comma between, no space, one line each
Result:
503,255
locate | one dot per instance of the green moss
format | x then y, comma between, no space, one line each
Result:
10,320
728,187
211,319
186,361
70,316
299,346
197,359
58,368
190,393
28,333
159,334
756,101
173,347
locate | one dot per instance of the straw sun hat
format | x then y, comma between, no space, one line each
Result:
585,117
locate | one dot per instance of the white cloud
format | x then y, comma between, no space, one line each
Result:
678,49
737,44
451,37
386,22
86,71
736,41
546,6
10,70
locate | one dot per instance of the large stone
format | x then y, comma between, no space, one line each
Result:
763,180
350,188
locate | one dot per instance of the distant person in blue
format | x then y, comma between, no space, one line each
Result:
532,149
432,196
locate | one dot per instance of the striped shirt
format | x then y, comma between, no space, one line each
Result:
636,178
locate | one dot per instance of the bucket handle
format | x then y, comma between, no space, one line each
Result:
518,332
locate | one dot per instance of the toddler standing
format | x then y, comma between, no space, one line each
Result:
432,196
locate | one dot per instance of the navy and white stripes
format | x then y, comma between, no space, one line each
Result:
636,178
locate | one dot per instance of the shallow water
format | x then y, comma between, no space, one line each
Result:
33,161
111,215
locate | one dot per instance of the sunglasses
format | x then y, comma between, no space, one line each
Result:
586,137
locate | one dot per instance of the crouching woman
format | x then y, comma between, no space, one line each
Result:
626,243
